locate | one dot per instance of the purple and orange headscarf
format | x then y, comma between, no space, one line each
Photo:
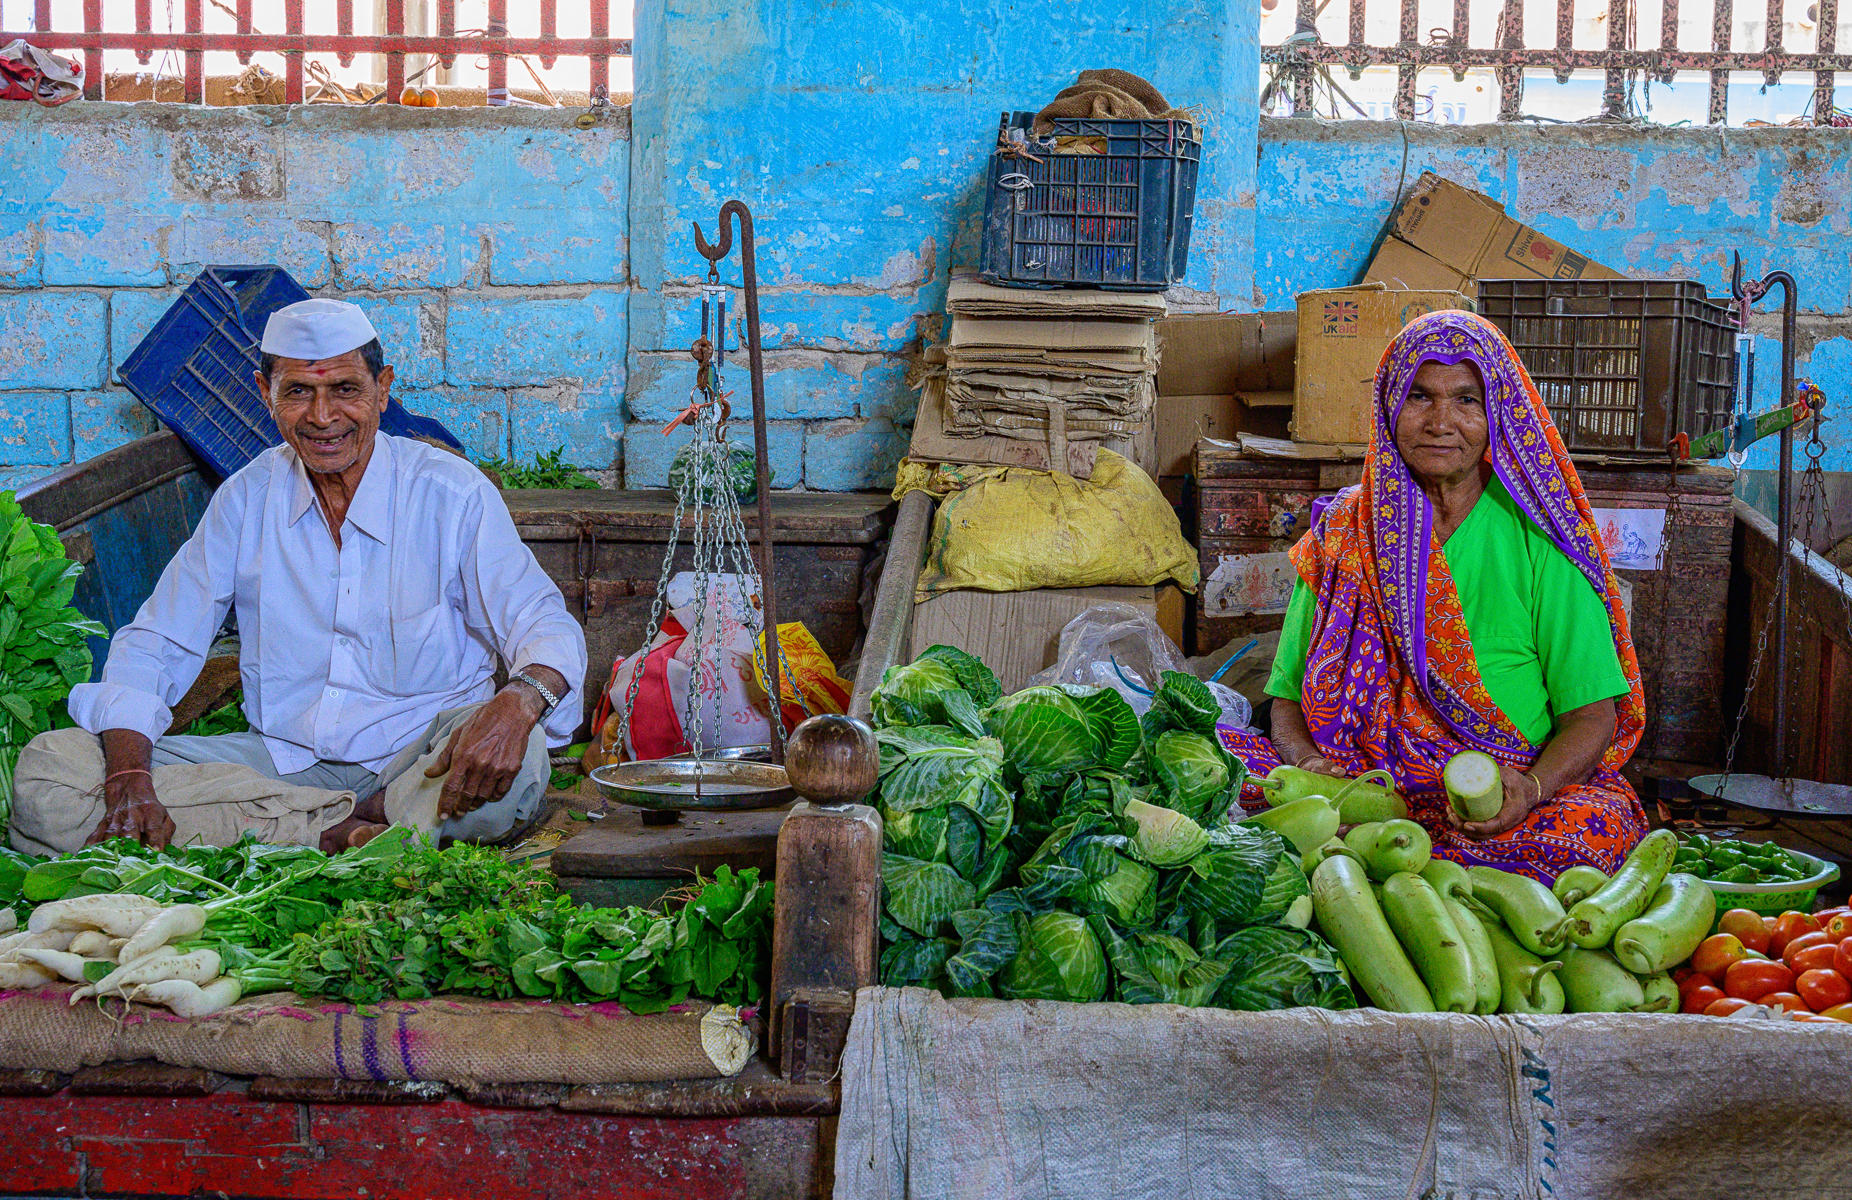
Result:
1386,598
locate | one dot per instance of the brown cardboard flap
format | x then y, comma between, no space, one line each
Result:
1471,233
1015,633
1400,265
932,444
1215,354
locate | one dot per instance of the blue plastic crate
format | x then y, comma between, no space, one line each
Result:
1116,217
194,369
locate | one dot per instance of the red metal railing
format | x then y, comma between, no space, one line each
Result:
1504,50
194,41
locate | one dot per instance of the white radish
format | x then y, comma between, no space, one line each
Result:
23,975
180,921
118,916
94,943
187,999
25,939
66,964
1473,785
198,966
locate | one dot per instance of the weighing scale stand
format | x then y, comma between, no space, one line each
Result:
1781,793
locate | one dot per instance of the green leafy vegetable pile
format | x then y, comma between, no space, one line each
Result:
43,653
547,471
400,919
1051,845
226,718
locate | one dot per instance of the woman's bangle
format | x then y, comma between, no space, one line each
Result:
1539,800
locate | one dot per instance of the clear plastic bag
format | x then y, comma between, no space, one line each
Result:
1121,647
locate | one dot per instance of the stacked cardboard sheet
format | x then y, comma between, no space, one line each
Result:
1041,378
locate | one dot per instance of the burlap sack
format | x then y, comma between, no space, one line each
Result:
448,1040
990,1098
1106,94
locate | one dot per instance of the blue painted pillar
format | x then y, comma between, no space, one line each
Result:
858,134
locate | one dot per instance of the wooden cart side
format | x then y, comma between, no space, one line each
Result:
892,620
1819,654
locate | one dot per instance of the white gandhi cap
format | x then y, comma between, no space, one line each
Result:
316,329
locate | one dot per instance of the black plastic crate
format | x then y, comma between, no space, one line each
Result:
1624,365
1099,203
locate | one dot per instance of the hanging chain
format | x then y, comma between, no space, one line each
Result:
719,538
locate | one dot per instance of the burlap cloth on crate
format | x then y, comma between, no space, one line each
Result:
449,1039
1107,94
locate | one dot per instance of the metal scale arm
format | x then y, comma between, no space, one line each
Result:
768,589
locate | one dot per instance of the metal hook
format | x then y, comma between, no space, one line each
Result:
714,254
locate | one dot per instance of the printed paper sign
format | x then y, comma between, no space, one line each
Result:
1249,584
1634,537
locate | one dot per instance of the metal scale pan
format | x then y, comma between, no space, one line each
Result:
695,785
1802,797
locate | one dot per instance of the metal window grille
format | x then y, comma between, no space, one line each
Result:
192,41
1305,54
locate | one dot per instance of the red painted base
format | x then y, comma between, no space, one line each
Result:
233,1146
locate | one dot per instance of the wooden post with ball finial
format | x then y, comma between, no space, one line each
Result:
827,911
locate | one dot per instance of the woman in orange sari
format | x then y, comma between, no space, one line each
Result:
1459,598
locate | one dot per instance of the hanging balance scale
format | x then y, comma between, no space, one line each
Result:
709,477
1779,792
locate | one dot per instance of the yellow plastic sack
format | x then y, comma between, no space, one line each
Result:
1012,529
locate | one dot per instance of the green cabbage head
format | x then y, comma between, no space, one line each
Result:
1193,773
1060,959
1163,837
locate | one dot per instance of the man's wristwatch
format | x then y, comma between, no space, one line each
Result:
546,693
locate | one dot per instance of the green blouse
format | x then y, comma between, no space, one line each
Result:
1538,629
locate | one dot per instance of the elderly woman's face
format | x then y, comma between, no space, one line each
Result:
1441,432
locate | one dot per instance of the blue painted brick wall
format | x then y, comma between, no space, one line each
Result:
489,249
537,286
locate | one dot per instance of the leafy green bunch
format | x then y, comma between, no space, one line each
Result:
714,946
43,651
399,918
547,471
1051,844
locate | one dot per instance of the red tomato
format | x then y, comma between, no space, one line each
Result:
1700,998
1804,942
1725,1006
1788,926
1812,958
1822,915
1785,1000
1681,974
1747,926
1823,989
1715,954
1842,957
1813,1018
1839,1012
1838,926
1752,980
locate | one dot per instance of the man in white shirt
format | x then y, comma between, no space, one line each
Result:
376,581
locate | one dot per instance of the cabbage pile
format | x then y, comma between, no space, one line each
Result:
1050,845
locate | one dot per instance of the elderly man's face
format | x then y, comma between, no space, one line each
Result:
327,410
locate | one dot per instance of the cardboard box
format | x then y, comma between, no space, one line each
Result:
1447,236
1018,633
1182,421
1342,335
1220,375
1214,354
